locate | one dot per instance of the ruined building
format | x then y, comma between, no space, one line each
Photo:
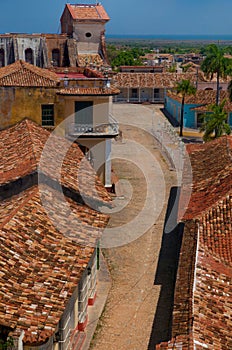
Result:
81,42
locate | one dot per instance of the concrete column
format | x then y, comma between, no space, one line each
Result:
108,164
128,94
139,95
153,92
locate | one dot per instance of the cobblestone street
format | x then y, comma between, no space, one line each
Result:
126,323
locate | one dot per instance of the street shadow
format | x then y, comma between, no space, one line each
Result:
166,272
170,118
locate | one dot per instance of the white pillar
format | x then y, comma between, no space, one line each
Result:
108,164
139,95
128,94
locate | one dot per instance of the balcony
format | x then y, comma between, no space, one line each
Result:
110,129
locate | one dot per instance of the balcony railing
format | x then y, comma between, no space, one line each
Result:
110,129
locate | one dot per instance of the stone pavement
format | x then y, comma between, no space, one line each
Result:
131,295
128,318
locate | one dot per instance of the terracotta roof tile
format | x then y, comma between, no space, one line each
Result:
88,12
39,266
21,73
89,91
203,298
46,238
149,80
204,98
212,175
21,147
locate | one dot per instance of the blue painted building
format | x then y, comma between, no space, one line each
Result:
192,117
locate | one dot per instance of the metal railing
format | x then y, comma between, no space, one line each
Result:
101,129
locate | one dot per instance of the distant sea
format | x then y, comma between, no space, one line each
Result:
216,37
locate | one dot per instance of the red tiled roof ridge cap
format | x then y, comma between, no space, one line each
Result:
217,257
22,65
33,190
198,216
191,148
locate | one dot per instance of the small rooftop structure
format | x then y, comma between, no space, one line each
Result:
93,12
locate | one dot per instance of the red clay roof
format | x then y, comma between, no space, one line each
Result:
45,246
212,174
21,147
203,300
88,12
40,267
204,98
151,80
89,91
22,74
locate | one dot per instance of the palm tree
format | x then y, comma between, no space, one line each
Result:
229,89
215,122
184,87
216,63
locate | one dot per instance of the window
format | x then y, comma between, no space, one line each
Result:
134,93
29,56
200,119
88,35
156,93
56,57
2,58
84,113
47,115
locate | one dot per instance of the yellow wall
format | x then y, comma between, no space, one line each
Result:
18,103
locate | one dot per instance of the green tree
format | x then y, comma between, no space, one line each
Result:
216,63
6,344
229,89
184,87
215,122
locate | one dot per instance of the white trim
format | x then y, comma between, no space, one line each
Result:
20,341
66,324
67,336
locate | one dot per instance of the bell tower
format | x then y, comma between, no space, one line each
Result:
86,25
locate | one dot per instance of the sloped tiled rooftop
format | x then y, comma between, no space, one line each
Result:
89,91
88,12
24,74
202,316
204,98
21,147
40,267
46,238
212,174
151,80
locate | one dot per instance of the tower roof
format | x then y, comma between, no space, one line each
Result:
95,12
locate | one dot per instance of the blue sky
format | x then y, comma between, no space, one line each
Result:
127,16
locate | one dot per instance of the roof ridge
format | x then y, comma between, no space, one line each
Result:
7,71
38,71
96,8
15,210
27,122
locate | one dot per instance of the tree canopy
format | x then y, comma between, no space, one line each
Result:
215,122
217,64
184,87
